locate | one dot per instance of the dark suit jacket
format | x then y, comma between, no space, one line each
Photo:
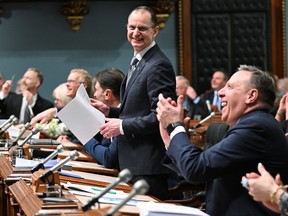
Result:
104,152
141,148
257,137
208,96
197,109
11,105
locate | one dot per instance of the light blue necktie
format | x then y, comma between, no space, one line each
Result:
218,101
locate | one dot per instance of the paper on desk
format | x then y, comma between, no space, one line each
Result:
93,190
25,163
164,209
82,119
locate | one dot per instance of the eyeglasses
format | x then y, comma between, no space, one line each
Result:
140,28
73,81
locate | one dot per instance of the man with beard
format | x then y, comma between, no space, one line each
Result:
27,104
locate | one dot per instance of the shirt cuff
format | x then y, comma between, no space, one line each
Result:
121,128
2,96
196,100
177,130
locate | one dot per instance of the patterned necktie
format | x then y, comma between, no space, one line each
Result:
132,68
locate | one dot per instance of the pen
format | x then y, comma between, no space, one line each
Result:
97,189
12,78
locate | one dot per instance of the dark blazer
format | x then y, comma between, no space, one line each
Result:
11,105
256,137
209,95
199,108
104,152
141,148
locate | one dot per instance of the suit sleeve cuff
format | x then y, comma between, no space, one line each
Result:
177,130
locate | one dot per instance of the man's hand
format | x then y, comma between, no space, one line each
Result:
191,93
63,138
100,106
111,128
28,95
168,111
6,88
44,117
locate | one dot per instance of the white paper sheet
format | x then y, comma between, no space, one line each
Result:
82,119
165,209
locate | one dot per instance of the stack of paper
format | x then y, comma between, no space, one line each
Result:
164,209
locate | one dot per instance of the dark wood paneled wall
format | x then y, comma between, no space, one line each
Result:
220,35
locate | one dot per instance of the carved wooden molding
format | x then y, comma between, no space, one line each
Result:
163,9
284,35
75,12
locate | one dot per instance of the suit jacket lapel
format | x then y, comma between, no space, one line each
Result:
141,64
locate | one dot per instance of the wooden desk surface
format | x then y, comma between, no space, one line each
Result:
93,179
83,156
125,210
92,167
197,136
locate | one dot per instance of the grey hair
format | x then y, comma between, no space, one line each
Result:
263,82
187,83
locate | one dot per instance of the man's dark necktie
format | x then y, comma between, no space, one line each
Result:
27,115
132,68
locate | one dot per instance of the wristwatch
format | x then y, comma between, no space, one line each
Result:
170,128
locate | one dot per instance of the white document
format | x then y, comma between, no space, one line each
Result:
165,209
82,119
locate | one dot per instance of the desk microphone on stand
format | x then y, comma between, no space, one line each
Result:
33,132
73,156
8,125
7,121
201,122
14,142
40,165
140,187
124,176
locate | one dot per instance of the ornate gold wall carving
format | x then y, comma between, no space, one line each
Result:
75,12
163,9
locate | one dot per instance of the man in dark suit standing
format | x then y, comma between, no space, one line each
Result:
27,104
254,136
140,147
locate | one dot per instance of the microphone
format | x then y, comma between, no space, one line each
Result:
202,121
8,125
14,142
124,176
73,156
7,121
208,105
33,132
59,149
140,187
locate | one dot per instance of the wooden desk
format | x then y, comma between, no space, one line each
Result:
93,179
83,156
92,167
29,204
197,136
